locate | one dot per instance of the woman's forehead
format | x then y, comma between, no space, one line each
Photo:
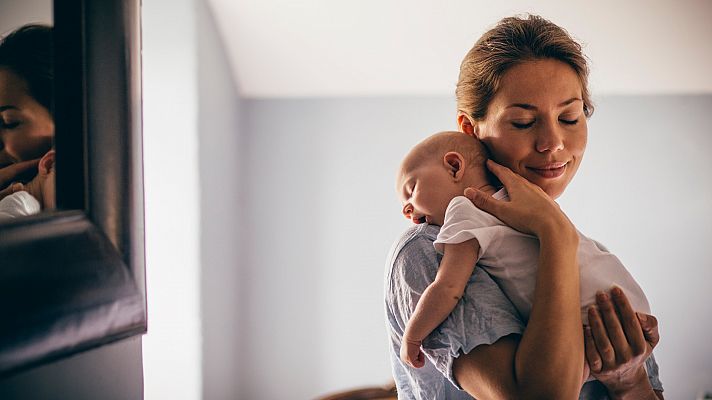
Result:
13,89
539,83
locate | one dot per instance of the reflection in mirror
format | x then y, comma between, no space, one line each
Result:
26,121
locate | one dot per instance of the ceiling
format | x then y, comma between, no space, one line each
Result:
307,48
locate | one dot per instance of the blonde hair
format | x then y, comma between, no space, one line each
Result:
512,41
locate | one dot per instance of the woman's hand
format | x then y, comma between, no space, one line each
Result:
617,343
530,210
11,172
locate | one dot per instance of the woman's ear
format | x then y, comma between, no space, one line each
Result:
468,125
455,163
46,163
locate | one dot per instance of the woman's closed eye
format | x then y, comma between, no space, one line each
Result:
8,122
523,124
8,125
569,121
526,125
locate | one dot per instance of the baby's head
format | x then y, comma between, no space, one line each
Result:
437,170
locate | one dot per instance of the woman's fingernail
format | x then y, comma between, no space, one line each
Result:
601,296
642,317
616,291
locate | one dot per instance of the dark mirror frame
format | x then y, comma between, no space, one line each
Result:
74,279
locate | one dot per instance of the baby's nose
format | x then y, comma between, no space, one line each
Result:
407,211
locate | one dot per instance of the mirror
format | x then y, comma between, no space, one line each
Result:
26,107
73,278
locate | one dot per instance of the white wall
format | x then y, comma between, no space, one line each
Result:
322,216
220,159
19,13
172,347
322,213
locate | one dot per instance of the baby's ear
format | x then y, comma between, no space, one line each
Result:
46,163
455,163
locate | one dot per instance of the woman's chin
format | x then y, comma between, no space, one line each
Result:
552,187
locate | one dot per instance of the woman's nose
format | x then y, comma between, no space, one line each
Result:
549,138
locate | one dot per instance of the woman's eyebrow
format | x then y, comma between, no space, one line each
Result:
569,101
531,107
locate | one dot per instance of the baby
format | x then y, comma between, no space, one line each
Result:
33,196
430,184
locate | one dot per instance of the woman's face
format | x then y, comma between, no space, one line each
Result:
26,127
535,124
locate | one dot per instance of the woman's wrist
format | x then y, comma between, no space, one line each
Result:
560,230
635,386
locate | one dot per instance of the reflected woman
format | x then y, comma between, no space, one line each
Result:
26,122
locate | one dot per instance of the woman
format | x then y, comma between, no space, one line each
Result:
523,92
26,123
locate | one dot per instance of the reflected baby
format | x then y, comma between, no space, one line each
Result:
32,197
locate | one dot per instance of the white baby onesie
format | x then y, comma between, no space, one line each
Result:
18,204
511,257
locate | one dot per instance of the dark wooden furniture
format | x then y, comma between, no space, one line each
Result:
387,392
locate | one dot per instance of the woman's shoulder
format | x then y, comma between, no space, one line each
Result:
417,232
415,242
413,255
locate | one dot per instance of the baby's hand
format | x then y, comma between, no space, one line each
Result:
12,188
411,354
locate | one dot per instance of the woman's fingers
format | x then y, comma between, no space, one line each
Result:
504,174
483,201
616,336
8,173
649,324
592,356
600,338
629,322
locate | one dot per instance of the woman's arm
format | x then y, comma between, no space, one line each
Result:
439,298
546,361
10,172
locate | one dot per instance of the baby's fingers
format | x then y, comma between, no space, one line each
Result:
419,360
12,188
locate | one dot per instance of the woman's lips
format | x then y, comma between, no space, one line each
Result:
553,170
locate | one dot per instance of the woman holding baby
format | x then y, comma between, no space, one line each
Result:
26,122
523,93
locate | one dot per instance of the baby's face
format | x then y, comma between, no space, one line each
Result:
425,192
